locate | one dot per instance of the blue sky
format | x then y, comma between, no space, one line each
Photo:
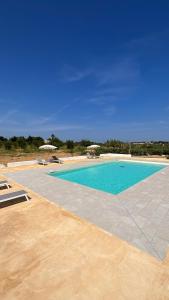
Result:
85,69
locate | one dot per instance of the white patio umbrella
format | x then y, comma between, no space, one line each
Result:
47,147
93,147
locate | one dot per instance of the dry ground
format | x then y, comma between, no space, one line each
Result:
14,157
7,157
48,253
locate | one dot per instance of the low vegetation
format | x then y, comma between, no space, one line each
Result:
22,146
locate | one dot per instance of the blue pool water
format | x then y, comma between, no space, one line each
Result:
113,177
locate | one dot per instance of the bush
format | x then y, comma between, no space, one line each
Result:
80,149
103,150
70,144
138,152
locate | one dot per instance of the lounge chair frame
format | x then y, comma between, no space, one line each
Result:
13,196
4,183
55,159
42,162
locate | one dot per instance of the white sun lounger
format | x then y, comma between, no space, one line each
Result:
13,196
90,156
4,183
42,162
56,159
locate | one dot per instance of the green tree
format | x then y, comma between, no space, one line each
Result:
85,143
55,141
70,144
36,141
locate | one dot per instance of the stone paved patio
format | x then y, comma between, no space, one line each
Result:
139,215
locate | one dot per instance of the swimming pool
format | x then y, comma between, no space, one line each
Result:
112,177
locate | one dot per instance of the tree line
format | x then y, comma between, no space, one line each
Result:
32,144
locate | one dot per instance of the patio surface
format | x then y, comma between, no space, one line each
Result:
139,215
47,253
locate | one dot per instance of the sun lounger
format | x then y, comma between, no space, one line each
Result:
96,156
56,159
4,183
90,156
42,162
13,196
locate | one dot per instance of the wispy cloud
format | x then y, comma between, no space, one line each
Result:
143,42
7,101
6,117
123,72
148,43
97,100
15,123
72,74
113,82
110,110
67,106
102,100
48,129
130,130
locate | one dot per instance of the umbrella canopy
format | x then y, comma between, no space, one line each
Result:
47,147
93,147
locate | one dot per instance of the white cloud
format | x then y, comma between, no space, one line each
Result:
17,123
124,70
110,110
72,74
6,117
